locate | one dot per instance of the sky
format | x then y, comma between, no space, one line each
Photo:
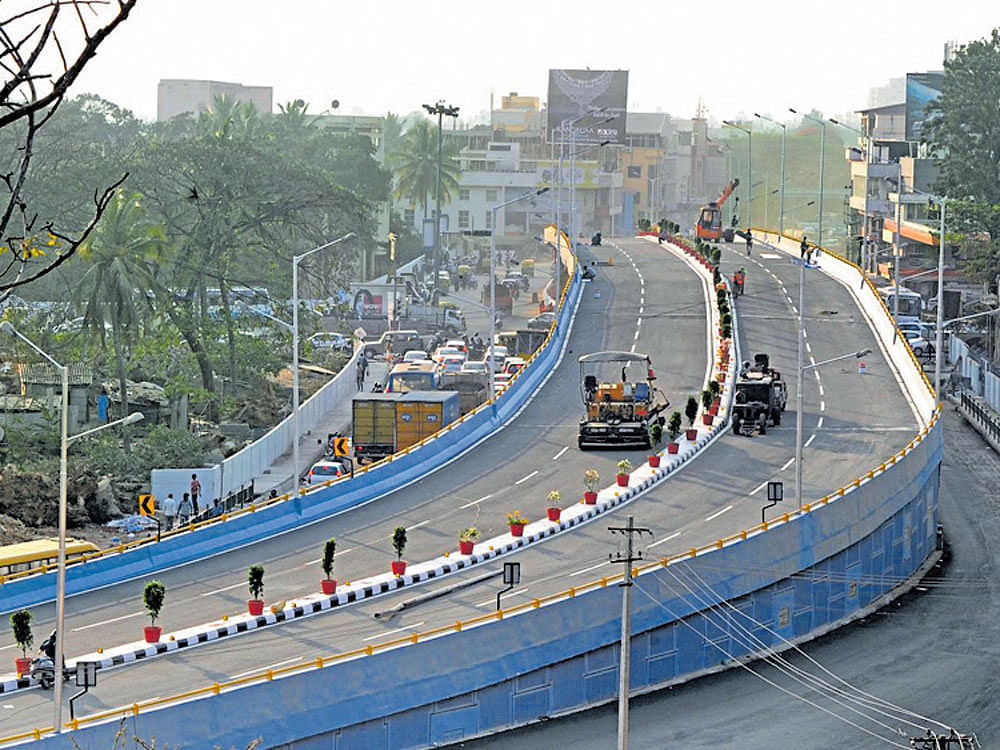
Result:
735,57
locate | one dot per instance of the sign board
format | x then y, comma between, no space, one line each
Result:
341,446
921,90
147,505
86,671
599,95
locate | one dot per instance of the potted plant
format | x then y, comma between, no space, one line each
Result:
624,467
716,388
691,411
655,436
255,582
591,477
399,544
328,585
516,522
467,540
706,405
20,626
553,511
152,598
673,430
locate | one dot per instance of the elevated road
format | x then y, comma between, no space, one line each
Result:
852,422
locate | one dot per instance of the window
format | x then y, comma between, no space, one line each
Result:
409,217
463,219
491,195
463,194
635,172
489,219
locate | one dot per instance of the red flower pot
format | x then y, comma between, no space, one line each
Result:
255,607
707,419
152,633
517,529
23,666
622,480
398,567
590,498
553,513
691,434
328,586
714,410
654,461
465,546
672,448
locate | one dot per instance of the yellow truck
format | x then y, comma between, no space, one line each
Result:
385,423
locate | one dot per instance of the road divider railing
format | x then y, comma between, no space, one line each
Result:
258,520
535,531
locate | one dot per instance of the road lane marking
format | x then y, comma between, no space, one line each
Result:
397,630
819,424
632,349
812,361
822,405
759,487
115,619
318,560
636,335
226,588
493,601
476,502
809,347
264,669
418,525
821,389
805,333
719,513
665,539
587,570
811,438
788,463
522,480
560,454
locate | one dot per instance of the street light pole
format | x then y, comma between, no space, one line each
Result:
295,354
781,195
822,170
440,109
749,133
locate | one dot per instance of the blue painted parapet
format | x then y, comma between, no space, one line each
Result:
318,503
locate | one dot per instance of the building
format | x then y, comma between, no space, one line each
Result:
175,96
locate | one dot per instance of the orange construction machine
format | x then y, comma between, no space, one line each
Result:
709,226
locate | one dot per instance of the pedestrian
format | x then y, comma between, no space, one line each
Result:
361,373
184,510
749,241
803,247
169,511
195,493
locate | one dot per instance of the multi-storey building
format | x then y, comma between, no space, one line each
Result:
175,96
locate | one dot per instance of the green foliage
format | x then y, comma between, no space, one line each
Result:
399,541
329,550
162,448
707,398
20,626
674,425
415,165
691,410
152,597
655,433
643,225
469,534
255,581
715,387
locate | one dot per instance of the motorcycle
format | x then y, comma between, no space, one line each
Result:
42,668
595,241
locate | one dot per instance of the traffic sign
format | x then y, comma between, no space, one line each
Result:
147,505
341,446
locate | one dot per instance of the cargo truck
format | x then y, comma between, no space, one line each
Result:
385,423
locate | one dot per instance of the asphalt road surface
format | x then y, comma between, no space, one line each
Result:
857,420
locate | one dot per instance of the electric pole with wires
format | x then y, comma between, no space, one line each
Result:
624,677
951,741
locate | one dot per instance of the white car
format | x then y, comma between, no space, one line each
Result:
497,355
445,351
475,366
458,344
451,363
415,355
920,346
513,365
323,470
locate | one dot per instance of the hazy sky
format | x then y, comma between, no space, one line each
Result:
739,57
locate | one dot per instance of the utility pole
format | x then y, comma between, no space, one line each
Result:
934,741
440,109
624,676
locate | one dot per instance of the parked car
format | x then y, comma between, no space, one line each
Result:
921,346
542,321
326,469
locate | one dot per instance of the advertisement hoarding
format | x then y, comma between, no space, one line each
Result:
921,90
596,97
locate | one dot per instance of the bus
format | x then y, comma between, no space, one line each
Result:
911,304
412,376
15,558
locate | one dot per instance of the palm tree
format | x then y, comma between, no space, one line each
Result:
415,165
116,254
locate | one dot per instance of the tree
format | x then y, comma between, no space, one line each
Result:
415,165
117,252
44,49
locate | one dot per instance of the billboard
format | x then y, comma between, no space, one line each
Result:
594,98
921,90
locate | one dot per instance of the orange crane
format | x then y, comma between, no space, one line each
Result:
709,226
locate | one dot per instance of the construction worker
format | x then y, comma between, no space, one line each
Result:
749,241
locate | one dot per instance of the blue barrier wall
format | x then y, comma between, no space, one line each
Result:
796,579
317,504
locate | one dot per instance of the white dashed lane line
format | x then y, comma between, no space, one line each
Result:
522,480
788,463
819,424
758,488
560,453
822,405
476,502
719,513
811,438
665,539
587,570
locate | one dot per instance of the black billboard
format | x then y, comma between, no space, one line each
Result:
595,99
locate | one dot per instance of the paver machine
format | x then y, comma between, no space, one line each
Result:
620,398
760,397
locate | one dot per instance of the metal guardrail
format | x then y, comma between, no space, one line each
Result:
983,414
